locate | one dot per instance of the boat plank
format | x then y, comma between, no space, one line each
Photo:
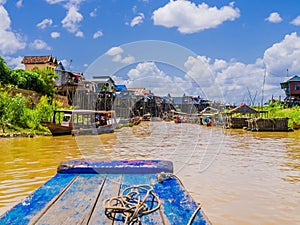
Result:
177,204
136,180
76,203
110,189
23,212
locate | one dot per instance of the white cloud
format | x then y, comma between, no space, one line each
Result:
39,45
10,42
137,20
72,20
190,18
55,35
296,21
114,51
93,13
127,60
54,1
79,34
14,62
284,55
149,76
274,18
44,23
19,3
98,34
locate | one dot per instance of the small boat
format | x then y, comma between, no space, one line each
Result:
77,122
109,192
146,117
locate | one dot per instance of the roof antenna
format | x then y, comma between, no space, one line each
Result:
70,65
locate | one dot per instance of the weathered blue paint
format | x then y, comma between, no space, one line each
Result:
23,212
77,198
177,204
77,202
110,189
116,167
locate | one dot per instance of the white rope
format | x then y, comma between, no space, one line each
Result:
132,204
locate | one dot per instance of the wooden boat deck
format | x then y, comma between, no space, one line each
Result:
75,195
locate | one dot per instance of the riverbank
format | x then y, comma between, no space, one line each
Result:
30,134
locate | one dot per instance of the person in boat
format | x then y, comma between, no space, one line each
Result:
103,121
105,87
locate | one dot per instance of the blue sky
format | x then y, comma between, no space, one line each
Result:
222,50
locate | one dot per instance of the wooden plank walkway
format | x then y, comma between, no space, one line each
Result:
74,198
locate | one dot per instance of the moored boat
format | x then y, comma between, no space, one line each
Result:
146,117
76,122
102,192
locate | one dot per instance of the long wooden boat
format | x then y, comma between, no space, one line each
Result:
76,122
109,192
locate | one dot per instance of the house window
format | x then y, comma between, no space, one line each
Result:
297,87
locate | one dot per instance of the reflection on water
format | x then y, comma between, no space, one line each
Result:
239,177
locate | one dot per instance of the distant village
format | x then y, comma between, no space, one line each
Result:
75,90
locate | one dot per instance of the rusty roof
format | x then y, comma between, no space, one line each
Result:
39,59
243,109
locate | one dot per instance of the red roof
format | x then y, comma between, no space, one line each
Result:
39,59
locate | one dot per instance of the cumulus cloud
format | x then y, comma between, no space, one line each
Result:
226,81
19,3
10,42
239,82
296,21
44,23
284,55
137,20
93,13
51,2
39,45
72,20
98,34
55,35
190,18
79,34
274,18
148,75
114,51
14,62
117,55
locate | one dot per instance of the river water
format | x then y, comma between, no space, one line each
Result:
239,177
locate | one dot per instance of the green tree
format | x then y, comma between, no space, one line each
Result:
5,72
11,110
28,80
49,77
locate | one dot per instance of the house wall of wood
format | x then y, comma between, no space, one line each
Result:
294,88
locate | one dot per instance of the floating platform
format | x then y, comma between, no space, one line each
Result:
109,192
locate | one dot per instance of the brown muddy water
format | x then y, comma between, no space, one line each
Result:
239,177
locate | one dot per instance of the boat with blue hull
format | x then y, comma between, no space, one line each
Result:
109,192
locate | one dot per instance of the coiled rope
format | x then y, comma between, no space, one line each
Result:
132,204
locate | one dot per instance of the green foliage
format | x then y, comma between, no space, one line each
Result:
11,110
16,115
49,77
29,80
39,80
5,73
